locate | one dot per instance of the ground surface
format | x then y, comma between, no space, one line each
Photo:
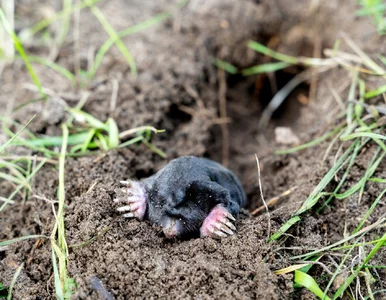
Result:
132,258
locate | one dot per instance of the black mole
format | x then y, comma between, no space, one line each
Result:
190,196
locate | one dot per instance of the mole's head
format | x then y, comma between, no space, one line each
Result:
179,210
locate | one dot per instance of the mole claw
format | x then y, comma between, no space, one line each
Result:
124,208
125,183
230,216
226,230
230,225
129,215
219,233
124,190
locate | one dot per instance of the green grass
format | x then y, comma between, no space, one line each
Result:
64,285
376,10
15,173
358,129
223,65
308,282
89,134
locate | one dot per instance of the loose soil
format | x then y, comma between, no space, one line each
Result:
178,90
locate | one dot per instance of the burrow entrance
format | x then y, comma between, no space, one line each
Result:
247,97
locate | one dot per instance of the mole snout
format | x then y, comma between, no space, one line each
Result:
189,196
171,228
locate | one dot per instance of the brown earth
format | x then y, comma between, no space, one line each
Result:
178,90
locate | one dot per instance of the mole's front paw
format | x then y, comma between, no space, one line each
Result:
218,223
135,198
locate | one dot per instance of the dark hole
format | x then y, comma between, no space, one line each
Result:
137,89
265,90
178,116
139,174
42,130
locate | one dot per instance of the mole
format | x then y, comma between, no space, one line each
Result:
189,197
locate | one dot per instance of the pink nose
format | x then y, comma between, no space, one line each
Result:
170,230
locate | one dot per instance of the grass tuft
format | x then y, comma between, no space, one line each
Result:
64,286
89,134
16,174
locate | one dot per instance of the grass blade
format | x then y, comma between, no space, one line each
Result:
20,49
369,211
309,283
371,135
13,179
269,52
11,165
287,58
14,279
265,68
87,141
27,237
113,133
62,14
118,42
128,31
6,200
284,228
132,141
65,24
311,143
154,148
59,247
58,286
313,197
101,141
139,130
2,147
83,117
50,64
377,92
51,141
369,172
223,65
343,179
38,167
290,269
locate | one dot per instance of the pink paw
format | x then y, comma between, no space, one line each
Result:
218,223
135,198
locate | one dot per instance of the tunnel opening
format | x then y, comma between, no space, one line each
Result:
247,98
